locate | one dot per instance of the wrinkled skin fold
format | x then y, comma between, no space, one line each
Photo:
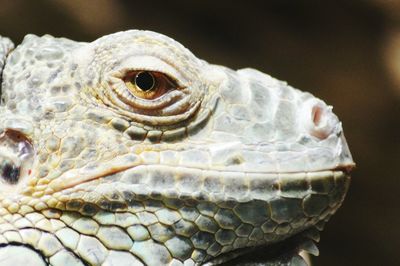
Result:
131,151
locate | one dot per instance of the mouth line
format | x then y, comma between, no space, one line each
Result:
80,176
345,168
232,181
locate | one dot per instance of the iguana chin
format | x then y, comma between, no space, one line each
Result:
131,151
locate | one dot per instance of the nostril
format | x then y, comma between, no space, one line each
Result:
316,115
319,119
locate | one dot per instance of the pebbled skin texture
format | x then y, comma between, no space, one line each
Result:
5,47
222,163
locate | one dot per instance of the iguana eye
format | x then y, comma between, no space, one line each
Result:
152,97
148,84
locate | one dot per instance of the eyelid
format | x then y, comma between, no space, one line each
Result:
152,64
158,76
162,85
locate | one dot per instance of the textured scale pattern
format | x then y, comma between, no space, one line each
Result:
226,162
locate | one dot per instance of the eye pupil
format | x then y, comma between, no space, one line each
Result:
144,81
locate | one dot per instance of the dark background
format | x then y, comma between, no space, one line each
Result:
345,52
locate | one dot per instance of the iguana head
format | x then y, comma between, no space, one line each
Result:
131,149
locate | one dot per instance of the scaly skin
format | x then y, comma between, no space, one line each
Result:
96,171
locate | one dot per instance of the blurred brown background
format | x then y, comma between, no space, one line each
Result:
345,52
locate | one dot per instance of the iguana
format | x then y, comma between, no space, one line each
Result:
131,151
